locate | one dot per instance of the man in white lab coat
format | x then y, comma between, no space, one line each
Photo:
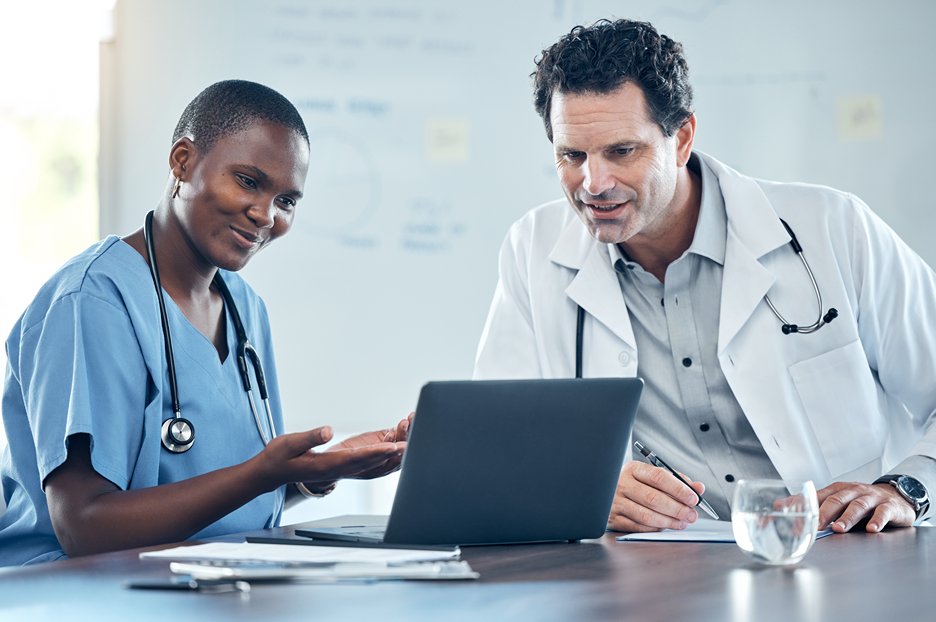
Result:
688,275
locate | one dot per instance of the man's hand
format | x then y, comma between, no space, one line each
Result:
842,505
649,498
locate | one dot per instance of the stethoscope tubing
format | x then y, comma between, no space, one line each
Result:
245,350
163,316
178,433
786,327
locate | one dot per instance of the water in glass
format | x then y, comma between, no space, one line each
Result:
775,523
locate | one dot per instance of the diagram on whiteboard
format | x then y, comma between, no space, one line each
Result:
343,190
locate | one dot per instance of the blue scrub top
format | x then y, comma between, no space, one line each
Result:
88,357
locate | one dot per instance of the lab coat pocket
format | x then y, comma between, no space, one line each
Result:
838,393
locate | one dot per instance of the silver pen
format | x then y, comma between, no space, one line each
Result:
655,460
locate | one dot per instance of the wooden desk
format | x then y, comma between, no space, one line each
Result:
885,577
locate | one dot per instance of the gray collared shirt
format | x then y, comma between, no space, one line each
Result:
688,414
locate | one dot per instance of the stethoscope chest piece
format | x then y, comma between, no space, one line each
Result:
178,434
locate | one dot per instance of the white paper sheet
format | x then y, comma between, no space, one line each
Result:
297,554
700,531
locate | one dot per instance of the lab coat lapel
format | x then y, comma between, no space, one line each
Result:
745,282
754,229
595,286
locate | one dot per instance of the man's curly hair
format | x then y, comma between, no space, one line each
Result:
600,58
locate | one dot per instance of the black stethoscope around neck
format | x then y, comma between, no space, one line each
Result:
785,327
177,432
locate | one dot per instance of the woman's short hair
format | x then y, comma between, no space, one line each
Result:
232,106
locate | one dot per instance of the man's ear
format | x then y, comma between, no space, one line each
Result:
685,136
181,156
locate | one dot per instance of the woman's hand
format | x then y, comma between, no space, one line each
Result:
293,458
397,435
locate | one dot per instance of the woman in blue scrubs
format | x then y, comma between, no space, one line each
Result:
87,385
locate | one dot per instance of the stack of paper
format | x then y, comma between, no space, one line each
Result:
266,562
447,570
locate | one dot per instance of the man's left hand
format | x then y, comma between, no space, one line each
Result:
842,505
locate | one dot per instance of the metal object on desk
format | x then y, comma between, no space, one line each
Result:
189,583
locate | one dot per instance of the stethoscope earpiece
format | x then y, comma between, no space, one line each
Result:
178,434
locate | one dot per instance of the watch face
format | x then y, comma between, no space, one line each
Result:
912,488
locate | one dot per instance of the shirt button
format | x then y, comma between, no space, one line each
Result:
687,362
624,358
704,427
729,478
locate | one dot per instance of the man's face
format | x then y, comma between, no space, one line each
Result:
617,167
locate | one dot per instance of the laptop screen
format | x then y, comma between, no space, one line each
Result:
500,461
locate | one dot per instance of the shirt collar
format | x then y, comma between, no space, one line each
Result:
711,232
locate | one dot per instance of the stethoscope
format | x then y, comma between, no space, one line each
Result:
785,327
177,432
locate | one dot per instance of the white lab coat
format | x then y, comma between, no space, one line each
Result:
845,403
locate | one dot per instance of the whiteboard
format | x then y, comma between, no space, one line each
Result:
425,147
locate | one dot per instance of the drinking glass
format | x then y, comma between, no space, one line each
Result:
775,522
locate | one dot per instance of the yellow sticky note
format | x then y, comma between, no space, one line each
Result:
859,117
447,140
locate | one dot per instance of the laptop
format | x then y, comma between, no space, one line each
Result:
506,461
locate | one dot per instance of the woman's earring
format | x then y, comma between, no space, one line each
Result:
175,188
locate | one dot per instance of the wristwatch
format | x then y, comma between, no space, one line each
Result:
910,489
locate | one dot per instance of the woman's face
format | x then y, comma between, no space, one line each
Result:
241,194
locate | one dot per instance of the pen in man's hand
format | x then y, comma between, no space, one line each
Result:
656,461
